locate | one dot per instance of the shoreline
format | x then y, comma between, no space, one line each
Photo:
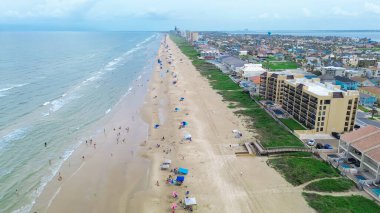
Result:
122,114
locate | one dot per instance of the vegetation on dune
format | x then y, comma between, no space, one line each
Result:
272,134
330,185
298,170
344,204
292,124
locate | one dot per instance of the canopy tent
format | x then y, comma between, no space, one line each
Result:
167,161
165,166
190,201
187,136
180,178
183,171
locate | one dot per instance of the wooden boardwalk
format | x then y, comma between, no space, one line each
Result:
263,151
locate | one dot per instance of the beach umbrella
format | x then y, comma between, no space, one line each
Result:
182,98
156,126
174,206
174,194
184,123
176,109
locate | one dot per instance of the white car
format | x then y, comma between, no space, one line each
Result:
311,142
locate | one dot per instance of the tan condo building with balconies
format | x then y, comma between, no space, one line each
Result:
323,108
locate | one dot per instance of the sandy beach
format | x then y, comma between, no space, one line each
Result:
122,176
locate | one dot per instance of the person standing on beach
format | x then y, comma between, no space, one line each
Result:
45,144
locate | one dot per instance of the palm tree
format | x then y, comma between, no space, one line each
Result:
373,112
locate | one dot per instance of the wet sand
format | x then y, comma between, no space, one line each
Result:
126,181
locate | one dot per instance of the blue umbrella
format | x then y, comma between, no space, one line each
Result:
176,109
156,126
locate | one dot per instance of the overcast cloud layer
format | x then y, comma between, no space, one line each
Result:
190,14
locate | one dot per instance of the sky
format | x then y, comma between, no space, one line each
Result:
190,14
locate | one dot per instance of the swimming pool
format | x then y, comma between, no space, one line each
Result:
360,177
376,191
278,112
346,166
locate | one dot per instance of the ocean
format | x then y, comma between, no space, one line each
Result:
54,86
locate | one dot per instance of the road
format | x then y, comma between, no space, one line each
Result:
363,121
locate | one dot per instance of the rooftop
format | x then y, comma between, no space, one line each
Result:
357,134
344,79
374,154
368,142
373,90
316,87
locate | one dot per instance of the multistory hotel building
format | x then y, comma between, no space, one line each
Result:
323,108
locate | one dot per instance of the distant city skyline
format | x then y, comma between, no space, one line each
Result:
195,15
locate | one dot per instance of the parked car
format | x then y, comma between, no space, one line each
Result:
319,146
311,142
327,146
335,135
356,126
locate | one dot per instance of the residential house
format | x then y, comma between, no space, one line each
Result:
363,82
367,100
346,83
374,91
250,70
232,63
333,71
363,145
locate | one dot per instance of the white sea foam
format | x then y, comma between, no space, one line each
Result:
46,103
10,87
108,111
16,134
46,179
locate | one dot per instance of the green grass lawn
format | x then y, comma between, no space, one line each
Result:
292,124
362,108
272,134
280,65
301,170
330,185
341,204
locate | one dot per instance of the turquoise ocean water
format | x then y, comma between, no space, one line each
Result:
53,87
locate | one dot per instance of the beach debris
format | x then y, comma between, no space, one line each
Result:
237,133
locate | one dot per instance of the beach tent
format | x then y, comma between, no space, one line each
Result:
156,126
176,109
182,98
184,123
191,201
183,171
180,178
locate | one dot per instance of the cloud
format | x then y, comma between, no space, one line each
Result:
372,7
341,12
269,16
306,12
